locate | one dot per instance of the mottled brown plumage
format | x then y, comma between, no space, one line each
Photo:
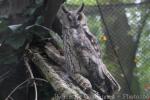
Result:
82,54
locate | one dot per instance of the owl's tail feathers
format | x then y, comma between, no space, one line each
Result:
110,82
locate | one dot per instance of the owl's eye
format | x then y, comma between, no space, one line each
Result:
69,17
80,17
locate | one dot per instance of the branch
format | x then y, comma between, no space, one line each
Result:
21,84
54,55
60,80
31,76
53,78
4,76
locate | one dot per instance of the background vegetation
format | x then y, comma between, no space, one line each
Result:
123,33
135,12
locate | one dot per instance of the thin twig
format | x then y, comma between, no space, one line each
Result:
9,96
4,76
32,76
28,80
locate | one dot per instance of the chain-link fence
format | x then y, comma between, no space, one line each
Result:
123,31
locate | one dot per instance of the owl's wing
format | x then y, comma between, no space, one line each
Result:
93,40
101,67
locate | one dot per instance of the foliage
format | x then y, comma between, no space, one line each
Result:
94,2
12,43
78,2
143,56
8,55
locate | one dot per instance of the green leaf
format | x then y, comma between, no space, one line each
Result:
14,27
3,25
39,20
39,2
39,31
5,31
16,40
4,34
8,55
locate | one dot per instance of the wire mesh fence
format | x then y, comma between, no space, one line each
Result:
122,29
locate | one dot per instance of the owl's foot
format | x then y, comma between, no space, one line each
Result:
83,82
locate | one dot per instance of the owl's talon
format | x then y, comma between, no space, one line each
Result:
83,82
85,97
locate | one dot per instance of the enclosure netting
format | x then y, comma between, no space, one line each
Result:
122,29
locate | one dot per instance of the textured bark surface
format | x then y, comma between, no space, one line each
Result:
57,75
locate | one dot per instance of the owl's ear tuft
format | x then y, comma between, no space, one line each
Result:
64,9
81,8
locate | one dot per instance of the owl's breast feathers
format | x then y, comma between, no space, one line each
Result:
88,51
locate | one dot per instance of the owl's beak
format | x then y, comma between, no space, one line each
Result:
75,25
